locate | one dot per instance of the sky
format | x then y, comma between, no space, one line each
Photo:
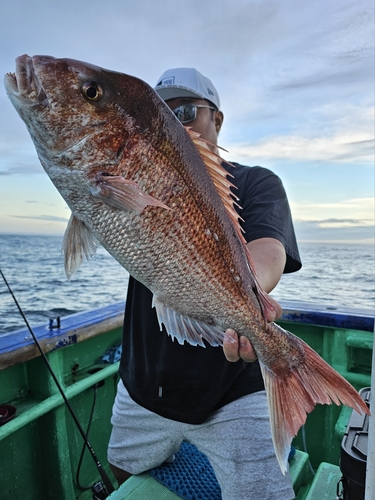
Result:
296,84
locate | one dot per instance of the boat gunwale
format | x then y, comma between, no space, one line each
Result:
18,346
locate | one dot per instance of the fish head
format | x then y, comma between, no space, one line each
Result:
82,119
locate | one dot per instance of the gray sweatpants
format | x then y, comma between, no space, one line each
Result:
236,439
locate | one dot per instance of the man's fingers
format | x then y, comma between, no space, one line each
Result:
247,352
238,348
276,314
231,348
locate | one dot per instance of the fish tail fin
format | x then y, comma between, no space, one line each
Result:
292,396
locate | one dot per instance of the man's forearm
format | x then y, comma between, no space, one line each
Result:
269,258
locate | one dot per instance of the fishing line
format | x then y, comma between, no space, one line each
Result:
303,432
106,480
80,486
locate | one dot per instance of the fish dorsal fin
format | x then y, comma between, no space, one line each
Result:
183,328
78,244
219,177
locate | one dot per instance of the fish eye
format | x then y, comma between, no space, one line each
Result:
92,90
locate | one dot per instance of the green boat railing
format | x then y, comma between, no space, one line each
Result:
40,447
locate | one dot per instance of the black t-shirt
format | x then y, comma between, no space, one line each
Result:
183,382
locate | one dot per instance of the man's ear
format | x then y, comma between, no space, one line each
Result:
219,118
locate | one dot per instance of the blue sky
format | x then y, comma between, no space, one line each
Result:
295,78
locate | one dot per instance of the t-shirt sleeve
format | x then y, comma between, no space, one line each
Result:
265,210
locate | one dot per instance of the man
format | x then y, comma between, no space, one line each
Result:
168,392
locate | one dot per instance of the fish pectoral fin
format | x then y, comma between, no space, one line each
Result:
183,328
293,395
123,193
78,244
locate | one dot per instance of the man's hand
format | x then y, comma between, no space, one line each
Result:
242,347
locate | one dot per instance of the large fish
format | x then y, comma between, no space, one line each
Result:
158,200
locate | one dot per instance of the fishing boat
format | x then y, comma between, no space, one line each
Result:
42,453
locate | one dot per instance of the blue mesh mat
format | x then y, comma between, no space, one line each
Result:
190,475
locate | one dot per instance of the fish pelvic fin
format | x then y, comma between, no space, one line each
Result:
78,244
182,328
292,396
123,193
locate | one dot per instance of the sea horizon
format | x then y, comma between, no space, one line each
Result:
339,275
364,241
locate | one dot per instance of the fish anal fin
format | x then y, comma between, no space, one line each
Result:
78,244
123,193
293,395
182,328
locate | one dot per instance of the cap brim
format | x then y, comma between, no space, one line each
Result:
167,93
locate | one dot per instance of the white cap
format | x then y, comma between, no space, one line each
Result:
186,82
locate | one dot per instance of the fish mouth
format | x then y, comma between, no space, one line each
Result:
24,84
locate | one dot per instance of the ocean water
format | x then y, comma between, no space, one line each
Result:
34,269
332,275
337,275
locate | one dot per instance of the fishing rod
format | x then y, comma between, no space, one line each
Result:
99,491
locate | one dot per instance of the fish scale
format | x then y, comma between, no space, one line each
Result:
155,196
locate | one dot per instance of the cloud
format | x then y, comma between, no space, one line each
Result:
342,77
51,218
340,223
22,170
330,132
347,211
38,202
330,51
338,148
335,232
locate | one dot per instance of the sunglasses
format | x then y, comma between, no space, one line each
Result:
188,112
